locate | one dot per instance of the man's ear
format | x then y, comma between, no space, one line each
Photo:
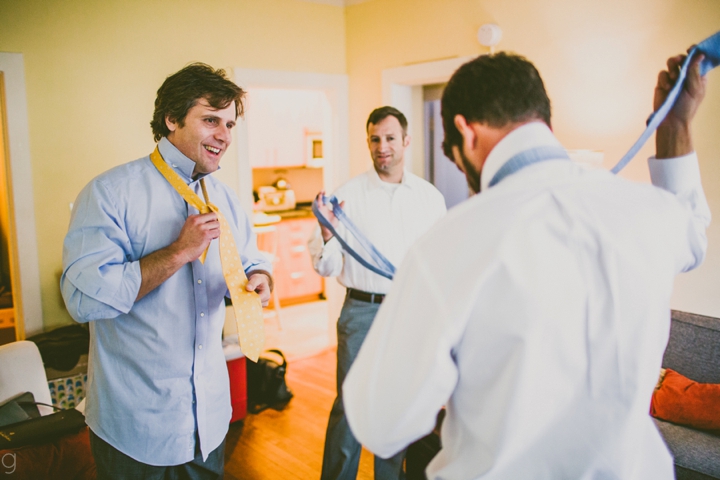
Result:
468,133
171,125
406,140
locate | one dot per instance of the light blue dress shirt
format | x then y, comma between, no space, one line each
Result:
157,382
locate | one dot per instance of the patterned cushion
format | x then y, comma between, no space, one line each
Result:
68,392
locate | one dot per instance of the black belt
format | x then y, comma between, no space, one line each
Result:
365,296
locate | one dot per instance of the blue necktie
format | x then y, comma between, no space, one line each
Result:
710,47
377,263
528,157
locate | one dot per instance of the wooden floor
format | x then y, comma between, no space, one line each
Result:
288,444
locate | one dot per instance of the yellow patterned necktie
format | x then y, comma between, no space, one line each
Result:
246,305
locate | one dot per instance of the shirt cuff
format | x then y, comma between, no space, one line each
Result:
675,174
332,245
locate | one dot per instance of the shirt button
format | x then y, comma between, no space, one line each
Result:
200,347
199,281
202,314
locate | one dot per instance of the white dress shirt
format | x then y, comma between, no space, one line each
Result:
392,216
538,313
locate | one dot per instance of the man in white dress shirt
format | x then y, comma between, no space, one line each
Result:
538,311
392,208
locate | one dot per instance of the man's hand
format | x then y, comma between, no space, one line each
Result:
327,213
259,283
673,138
195,236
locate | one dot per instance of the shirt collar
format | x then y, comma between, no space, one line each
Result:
530,135
176,159
377,182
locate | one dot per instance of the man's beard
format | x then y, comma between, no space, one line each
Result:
471,175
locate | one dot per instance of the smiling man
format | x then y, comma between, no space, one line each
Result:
158,403
393,208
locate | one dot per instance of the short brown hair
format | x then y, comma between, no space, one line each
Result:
182,90
493,89
380,114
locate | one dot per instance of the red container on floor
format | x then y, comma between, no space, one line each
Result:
238,388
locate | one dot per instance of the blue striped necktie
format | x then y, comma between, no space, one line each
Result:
710,47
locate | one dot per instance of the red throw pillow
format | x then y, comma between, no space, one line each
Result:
67,458
686,402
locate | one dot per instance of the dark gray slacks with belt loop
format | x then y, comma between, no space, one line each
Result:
342,451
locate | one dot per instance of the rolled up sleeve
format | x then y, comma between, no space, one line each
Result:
100,278
327,258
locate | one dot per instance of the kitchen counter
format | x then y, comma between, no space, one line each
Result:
262,218
299,212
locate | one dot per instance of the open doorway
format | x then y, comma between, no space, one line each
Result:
18,191
439,170
287,113
416,91
8,330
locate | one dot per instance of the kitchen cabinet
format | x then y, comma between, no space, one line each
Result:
295,279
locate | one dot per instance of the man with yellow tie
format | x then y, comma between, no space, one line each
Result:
142,266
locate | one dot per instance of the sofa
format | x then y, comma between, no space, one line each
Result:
694,351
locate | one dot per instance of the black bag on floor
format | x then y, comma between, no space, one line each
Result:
61,348
32,429
266,382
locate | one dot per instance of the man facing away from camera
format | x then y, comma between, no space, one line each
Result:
142,267
392,208
537,311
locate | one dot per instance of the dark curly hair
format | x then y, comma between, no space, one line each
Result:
496,90
182,90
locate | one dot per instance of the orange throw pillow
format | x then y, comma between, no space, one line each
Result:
686,402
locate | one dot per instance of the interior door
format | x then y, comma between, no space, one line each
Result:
8,324
441,171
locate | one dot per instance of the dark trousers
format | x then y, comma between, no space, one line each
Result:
342,451
112,464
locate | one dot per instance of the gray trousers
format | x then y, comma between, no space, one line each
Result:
112,464
342,451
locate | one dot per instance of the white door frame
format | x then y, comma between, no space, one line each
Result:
335,87
22,201
402,88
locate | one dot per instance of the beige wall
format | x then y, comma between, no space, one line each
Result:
599,61
93,67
